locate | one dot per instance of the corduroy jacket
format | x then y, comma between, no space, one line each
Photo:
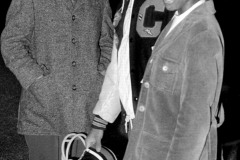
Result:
177,108
57,49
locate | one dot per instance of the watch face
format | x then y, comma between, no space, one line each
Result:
150,17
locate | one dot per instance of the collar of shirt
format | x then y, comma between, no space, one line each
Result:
178,18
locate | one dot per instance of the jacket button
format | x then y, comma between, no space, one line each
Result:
73,17
141,108
165,68
146,85
152,47
73,63
74,87
73,40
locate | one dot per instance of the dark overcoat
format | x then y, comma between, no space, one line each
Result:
70,45
177,109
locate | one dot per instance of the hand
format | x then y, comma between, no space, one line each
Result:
94,138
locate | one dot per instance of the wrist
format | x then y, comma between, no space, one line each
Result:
99,123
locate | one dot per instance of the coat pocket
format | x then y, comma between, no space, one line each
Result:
164,74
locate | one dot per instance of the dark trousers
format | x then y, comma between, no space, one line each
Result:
49,147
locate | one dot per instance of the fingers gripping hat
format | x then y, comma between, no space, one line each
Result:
89,154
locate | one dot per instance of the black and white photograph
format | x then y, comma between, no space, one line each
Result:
119,80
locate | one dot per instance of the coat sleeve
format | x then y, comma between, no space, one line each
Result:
198,93
108,106
106,38
16,42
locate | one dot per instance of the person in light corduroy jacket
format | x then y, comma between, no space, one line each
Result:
177,113
59,51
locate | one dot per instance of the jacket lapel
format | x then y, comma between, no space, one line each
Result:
163,33
162,40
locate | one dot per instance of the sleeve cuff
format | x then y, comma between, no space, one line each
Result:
99,123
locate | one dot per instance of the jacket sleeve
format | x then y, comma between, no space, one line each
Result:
106,38
108,106
16,40
198,93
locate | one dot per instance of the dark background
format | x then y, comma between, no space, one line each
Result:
229,134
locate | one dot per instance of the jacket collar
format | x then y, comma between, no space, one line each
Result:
204,9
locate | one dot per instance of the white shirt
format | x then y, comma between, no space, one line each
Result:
178,18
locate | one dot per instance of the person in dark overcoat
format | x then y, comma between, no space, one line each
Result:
59,51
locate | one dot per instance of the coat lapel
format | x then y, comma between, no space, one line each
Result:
163,33
162,40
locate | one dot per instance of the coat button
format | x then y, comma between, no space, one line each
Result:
73,17
152,47
73,40
146,85
73,63
74,87
165,68
141,108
